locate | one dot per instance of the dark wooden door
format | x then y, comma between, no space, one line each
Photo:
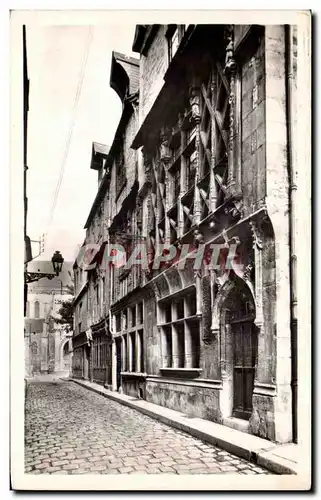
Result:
245,347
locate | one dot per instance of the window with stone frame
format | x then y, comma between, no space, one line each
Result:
180,331
132,338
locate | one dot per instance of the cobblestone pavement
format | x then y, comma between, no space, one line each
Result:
71,430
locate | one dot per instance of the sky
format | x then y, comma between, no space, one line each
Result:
56,62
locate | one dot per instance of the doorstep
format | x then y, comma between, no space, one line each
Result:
280,459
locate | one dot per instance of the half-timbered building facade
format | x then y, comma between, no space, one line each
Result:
202,164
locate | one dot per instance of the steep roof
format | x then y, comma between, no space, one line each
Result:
100,148
98,153
124,74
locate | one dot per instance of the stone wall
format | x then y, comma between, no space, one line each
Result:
152,70
199,402
277,186
134,386
253,130
42,357
130,166
152,337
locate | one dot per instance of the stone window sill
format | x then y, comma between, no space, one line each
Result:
181,372
134,374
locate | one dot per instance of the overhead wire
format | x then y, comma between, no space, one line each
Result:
71,128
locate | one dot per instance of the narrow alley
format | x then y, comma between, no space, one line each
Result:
70,430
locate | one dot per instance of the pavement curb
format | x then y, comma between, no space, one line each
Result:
262,456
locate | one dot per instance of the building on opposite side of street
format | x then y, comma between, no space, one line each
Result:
203,155
48,344
106,223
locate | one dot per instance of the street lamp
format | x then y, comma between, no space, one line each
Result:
57,262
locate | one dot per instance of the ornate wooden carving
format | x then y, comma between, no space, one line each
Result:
164,150
194,99
230,71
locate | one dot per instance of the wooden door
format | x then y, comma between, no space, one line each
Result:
245,347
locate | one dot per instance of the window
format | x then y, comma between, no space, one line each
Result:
168,313
173,42
133,310
190,304
180,339
79,327
125,323
140,313
37,309
132,340
27,309
180,309
118,322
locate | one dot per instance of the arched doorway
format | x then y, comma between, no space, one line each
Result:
239,342
65,356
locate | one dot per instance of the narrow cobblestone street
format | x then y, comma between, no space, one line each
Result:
71,430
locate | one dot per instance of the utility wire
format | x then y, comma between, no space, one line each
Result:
71,127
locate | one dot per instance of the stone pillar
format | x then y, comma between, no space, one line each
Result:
198,281
138,353
165,360
277,187
130,353
175,353
262,352
113,365
123,354
188,361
